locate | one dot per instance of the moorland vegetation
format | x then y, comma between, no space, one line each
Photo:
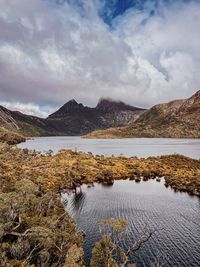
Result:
35,229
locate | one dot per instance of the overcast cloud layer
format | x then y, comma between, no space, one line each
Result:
51,53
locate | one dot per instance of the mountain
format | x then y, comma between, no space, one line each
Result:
178,118
108,105
71,119
75,119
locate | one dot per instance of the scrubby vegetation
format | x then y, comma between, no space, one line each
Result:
10,137
69,169
138,130
35,230
109,251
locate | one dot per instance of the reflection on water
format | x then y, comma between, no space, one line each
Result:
74,200
145,203
141,147
77,201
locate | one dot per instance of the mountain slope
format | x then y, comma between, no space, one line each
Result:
25,124
71,119
75,119
178,118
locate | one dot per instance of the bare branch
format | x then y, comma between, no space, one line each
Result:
143,238
18,225
31,254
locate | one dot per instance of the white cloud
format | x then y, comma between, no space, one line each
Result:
29,108
50,54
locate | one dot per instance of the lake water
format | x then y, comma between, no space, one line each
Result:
149,203
141,147
176,214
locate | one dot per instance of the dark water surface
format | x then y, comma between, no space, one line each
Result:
145,203
141,147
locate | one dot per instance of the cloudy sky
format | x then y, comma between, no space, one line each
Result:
139,51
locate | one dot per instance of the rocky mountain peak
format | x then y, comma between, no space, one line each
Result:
68,108
110,105
72,101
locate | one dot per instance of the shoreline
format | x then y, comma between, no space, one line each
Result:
140,147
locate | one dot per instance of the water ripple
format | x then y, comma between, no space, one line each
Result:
147,204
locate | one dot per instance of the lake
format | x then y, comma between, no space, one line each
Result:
140,147
149,203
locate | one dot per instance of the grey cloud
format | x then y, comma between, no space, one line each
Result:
49,55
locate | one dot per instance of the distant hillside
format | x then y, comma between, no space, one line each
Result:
18,122
178,118
71,119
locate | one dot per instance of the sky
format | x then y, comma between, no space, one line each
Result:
142,52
